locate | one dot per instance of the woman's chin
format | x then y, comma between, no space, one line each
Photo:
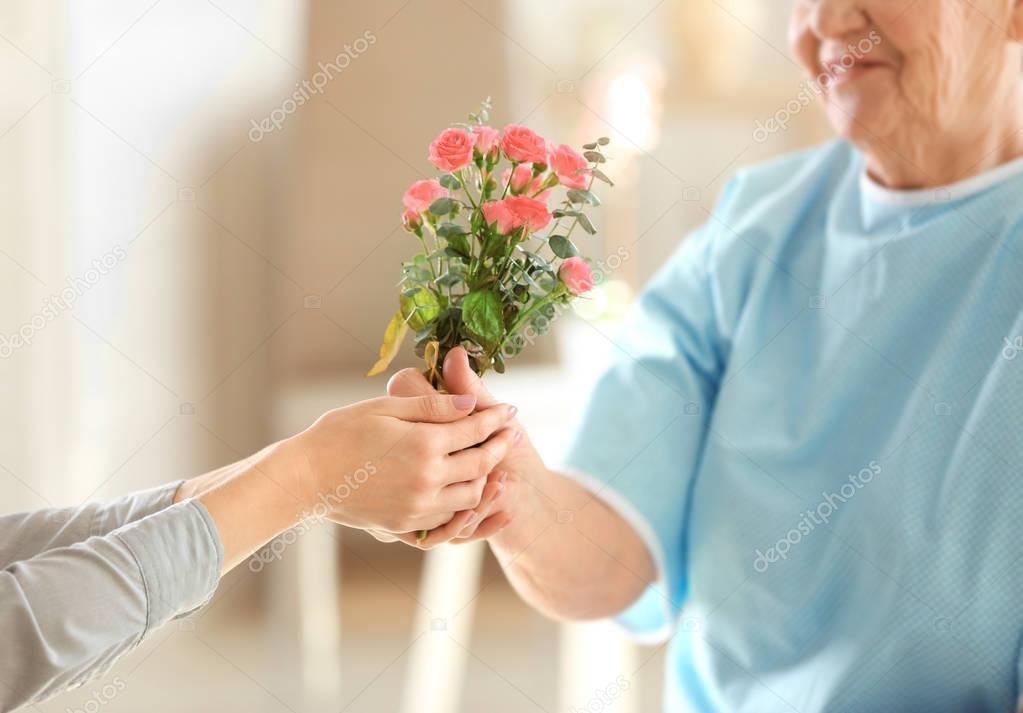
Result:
860,121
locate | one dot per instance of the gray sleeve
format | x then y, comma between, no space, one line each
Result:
67,614
24,535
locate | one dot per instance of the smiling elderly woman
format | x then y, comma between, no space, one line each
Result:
806,460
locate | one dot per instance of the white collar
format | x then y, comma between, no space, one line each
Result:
943,194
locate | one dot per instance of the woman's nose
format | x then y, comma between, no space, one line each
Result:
837,19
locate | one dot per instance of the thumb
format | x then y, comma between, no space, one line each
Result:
437,408
409,382
459,378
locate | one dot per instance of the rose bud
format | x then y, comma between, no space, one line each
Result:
576,275
412,220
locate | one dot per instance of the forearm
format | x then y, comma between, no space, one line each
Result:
251,501
567,553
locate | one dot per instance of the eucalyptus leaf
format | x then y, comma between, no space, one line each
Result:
442,206
594,156
577,195
459,244
449,279
603,141
590,146
601,176
450,182
584,221
445,230
562,246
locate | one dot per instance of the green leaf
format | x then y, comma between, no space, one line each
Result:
450,182
442,206
603,141
396,330
591,146
562,246
420,308
481,315
577,195
600,176
594,156
562,213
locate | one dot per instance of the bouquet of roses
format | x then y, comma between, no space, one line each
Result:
482,277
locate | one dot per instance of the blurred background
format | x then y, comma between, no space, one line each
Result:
200,242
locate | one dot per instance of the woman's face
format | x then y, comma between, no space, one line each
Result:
896,68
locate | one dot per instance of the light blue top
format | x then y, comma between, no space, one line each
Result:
815,420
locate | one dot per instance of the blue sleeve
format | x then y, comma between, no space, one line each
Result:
640,440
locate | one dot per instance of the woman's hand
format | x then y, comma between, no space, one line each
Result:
400,464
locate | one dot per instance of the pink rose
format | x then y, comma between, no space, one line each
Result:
421,194
568,164
486,138
523,145
514,212
452,150
411,220
577,275
523,182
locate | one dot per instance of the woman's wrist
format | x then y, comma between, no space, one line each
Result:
531,512
253,503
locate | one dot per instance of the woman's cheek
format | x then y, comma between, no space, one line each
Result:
804,44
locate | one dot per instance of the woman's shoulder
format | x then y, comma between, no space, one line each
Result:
792,180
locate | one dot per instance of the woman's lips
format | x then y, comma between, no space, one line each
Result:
841,73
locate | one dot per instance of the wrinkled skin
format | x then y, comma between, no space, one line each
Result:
937,96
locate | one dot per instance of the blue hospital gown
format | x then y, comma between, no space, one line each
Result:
814,418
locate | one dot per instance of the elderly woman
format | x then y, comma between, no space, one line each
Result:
804,462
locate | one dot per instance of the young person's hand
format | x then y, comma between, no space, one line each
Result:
401,464
394,464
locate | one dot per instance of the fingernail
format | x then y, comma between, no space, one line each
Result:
464,401
512,410
518,436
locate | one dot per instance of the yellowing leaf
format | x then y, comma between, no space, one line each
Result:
393,336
